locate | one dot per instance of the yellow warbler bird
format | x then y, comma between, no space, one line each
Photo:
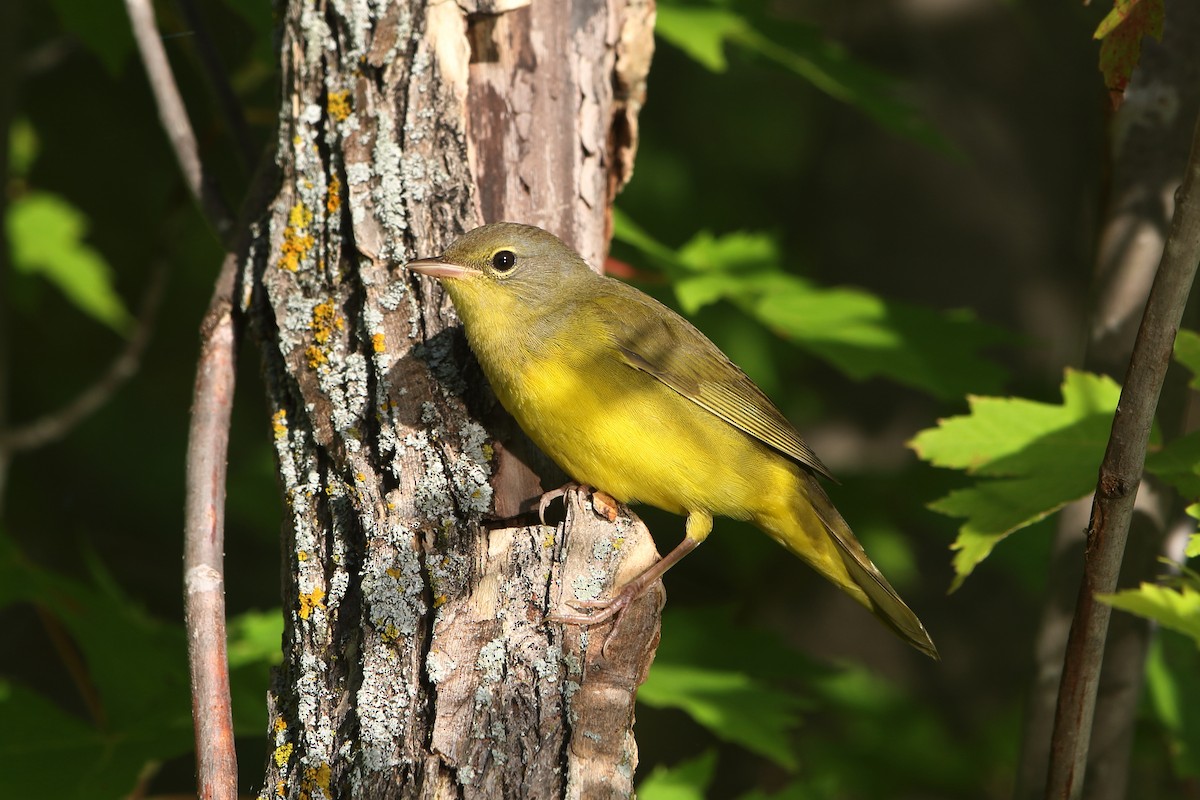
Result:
628,397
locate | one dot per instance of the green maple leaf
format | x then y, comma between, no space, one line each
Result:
1174,608
1031,459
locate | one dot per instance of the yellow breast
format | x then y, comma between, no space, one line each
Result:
624,432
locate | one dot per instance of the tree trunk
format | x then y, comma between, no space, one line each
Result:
417,659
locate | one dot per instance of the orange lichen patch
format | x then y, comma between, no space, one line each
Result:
281,789
280,725
378,343
325,320
312,600
279,423
315,355
297,241
333,195
317,777
302,555
394,572
440,601
339,105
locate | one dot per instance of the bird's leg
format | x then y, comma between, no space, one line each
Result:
699,524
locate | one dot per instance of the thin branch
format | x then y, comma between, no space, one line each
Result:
174,117
204,540
1116,490
208,442
204,513
57,424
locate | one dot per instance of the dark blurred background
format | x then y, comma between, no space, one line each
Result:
1002,221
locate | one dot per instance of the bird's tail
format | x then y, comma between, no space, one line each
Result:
846,564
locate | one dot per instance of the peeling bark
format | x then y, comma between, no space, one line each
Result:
417,662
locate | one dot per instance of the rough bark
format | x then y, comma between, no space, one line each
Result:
417,659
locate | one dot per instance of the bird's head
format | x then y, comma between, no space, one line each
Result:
505,267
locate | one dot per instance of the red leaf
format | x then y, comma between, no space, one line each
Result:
1121,33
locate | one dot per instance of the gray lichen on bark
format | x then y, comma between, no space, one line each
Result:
416,657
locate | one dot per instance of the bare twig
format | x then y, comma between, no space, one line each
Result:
204,532
174,118
58,424
208,440
1116,490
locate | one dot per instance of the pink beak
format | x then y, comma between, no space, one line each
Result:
436,268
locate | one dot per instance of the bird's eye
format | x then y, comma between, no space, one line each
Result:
504,260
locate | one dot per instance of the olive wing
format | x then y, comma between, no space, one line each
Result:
654,339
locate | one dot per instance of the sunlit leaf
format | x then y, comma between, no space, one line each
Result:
687,780
700,32
1177,608
47,238
1031,459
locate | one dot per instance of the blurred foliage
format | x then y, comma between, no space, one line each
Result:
45,234
860,333
130,672
858,225
703,30
687,780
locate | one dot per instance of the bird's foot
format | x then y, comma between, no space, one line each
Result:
552,495
603,610
602,503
